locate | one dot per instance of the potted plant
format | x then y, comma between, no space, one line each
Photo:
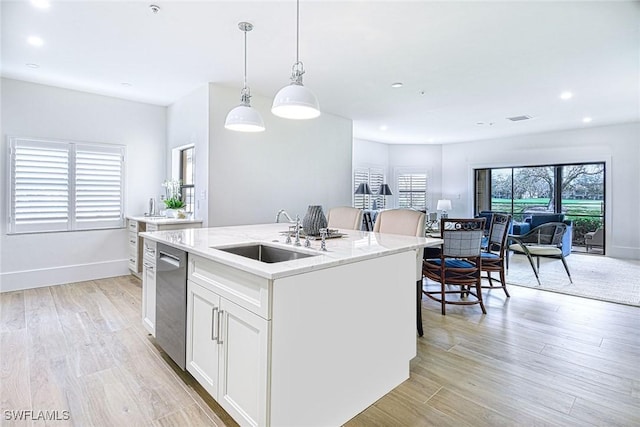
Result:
173,200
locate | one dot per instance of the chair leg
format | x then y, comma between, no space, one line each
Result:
566,267
443,303
419,308
533,267
503,280
479,293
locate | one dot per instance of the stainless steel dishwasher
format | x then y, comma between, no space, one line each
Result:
171,302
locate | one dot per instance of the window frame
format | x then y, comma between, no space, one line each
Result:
399,172
73,179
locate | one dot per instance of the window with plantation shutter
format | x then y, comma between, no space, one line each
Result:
99,186
412,190
64,186
375,178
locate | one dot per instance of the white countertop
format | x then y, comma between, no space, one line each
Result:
163,220
355,246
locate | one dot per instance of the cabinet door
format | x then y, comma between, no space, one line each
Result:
149,296
242,391
203,328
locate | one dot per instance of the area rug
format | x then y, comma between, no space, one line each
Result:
596,277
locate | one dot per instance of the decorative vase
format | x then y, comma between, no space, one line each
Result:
314,220
171,213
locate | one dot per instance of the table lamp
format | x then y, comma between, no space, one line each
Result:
384,191
363,189
444,205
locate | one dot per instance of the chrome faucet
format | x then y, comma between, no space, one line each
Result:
286,215
297,242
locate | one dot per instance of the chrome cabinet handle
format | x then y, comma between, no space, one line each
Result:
214,328
221,316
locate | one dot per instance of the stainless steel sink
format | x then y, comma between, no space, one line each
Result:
264,253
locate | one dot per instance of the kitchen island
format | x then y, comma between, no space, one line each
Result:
301,342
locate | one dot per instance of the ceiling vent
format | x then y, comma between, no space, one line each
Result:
519,118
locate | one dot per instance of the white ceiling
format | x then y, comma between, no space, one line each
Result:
473,61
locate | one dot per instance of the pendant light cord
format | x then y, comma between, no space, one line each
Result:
245,60
297,31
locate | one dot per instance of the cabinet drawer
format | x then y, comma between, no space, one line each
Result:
133,226
149,251
152,227
133,239
245,289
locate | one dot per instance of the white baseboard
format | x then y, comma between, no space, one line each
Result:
623,252
29,279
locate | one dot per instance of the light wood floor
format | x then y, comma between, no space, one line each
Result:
538,358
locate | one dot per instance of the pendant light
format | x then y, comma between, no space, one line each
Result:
296,101
244,118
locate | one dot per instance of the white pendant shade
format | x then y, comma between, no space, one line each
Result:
295,102
244,118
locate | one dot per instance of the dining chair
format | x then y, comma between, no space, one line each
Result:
409,223
344,217
459,264
493,255
543,241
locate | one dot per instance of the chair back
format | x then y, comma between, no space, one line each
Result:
401,221
549,233
406,222
345,217
500,224
462,237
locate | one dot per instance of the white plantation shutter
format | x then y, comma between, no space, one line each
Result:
99,186
412,190
375,178
39,193
62,186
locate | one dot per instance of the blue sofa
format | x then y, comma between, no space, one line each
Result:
535,220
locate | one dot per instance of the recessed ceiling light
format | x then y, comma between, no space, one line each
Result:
32,65
35,41
587,120
41,4
384,127
397,84
566,95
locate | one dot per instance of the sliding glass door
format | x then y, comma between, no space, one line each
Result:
576,190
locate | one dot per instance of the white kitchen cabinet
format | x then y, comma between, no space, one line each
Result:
243,363
149,286
203,308
227,350
140,224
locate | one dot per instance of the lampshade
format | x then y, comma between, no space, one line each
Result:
385,190
295,102
363,188
444,205
244,118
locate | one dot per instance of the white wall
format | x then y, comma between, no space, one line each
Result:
188,123
292,164
31,260
618,146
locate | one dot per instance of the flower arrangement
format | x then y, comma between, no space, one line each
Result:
173,198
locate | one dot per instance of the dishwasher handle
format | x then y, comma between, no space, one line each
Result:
168,259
